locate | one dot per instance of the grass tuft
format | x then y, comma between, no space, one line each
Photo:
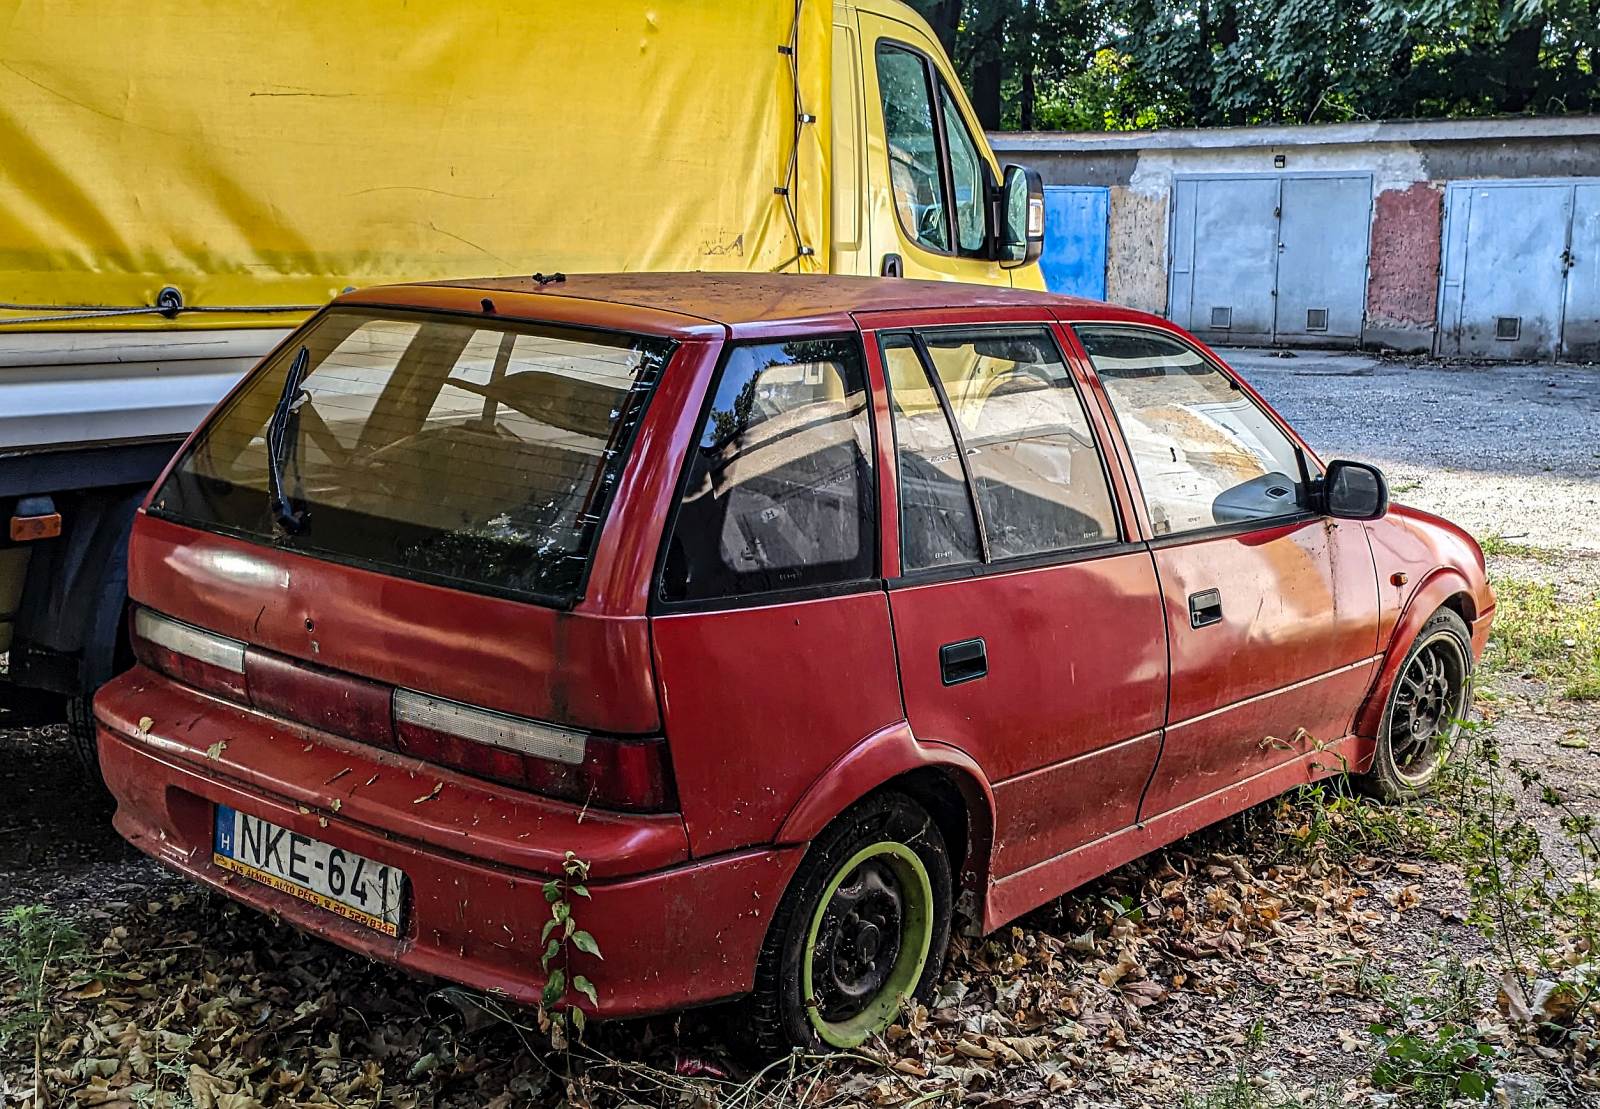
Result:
1555,640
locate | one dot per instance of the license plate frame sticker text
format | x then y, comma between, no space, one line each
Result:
353,886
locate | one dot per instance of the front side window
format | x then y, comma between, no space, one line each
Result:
778,492
909,131
966,170
1205,452
468,453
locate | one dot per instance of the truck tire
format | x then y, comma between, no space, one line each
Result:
80,736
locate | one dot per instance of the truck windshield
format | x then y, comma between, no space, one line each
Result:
474,454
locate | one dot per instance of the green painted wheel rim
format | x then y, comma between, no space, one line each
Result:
916,937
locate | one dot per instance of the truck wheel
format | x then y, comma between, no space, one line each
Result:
80,734
862,928
1432,694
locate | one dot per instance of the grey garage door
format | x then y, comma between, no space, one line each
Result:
1521,270
1274,258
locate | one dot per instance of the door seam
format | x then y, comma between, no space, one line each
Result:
1166,708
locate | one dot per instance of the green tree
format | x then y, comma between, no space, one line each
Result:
1093,65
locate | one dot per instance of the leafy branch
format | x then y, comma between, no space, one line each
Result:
561,936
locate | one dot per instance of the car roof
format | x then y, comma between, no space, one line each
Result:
733,300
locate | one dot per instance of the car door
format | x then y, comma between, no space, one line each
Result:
1271,610
927,208
1028,628
770,627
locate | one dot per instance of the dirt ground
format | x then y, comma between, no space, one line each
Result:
1243,967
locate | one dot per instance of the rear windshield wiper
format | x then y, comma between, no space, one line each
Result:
283,438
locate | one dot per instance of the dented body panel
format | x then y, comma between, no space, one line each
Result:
1105,724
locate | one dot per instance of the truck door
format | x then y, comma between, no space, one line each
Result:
928,173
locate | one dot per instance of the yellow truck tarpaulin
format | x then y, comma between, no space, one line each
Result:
270,155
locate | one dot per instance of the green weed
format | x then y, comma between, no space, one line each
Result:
1538,633
1330,818
32,939
1246,1089
1498,546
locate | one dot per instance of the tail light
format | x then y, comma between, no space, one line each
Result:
587,768
326,699
609,772
194,657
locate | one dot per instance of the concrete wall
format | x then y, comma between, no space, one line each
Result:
1409,163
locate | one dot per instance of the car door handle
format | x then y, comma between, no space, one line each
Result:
963,661
892,266
1205,608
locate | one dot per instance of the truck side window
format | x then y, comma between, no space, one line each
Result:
778,492
966,169
908,130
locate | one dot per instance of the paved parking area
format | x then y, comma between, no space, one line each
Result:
1508,450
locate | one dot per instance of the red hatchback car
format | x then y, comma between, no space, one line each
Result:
811,612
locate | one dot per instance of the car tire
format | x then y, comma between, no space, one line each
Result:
1421,728
864,924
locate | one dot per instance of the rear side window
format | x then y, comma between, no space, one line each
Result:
1206,454
778,488
468,453
937,524
1020,431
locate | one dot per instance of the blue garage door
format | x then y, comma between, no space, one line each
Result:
1075,228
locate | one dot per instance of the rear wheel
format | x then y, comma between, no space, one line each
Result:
1421,728
862,928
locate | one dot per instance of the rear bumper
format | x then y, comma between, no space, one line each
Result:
672,937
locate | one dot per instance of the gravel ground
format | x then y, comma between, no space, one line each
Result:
1508,450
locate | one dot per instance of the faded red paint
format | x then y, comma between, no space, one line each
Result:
1104,727
1403,290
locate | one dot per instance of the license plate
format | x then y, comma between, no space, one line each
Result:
331,878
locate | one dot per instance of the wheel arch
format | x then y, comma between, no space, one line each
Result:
941,778
1444,588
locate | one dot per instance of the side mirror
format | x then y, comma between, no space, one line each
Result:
1020,229
1354,491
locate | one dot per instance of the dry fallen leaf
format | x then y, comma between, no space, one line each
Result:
1125,965
431,794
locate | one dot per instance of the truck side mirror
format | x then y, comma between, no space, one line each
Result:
1020,237
1354,491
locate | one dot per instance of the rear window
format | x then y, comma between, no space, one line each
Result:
475,454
